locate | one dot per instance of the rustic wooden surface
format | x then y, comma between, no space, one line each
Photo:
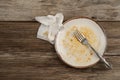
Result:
24,57
26,10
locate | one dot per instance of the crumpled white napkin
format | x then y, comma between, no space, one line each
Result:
49,27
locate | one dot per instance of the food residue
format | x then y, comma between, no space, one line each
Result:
77,50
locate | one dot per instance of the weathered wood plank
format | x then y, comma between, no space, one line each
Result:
47,66
21,37
26,10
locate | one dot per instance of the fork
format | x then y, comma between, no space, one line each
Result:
81,38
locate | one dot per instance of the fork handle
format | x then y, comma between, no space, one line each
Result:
100,57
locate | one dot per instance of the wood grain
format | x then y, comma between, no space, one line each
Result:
24,57
26,10
49,67
21,36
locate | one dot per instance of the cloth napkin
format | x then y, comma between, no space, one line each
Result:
50,25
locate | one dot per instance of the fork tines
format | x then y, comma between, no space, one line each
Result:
79,35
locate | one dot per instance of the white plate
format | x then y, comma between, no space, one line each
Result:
76,58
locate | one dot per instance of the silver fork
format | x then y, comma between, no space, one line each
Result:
81,38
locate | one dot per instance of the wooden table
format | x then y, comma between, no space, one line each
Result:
24,57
